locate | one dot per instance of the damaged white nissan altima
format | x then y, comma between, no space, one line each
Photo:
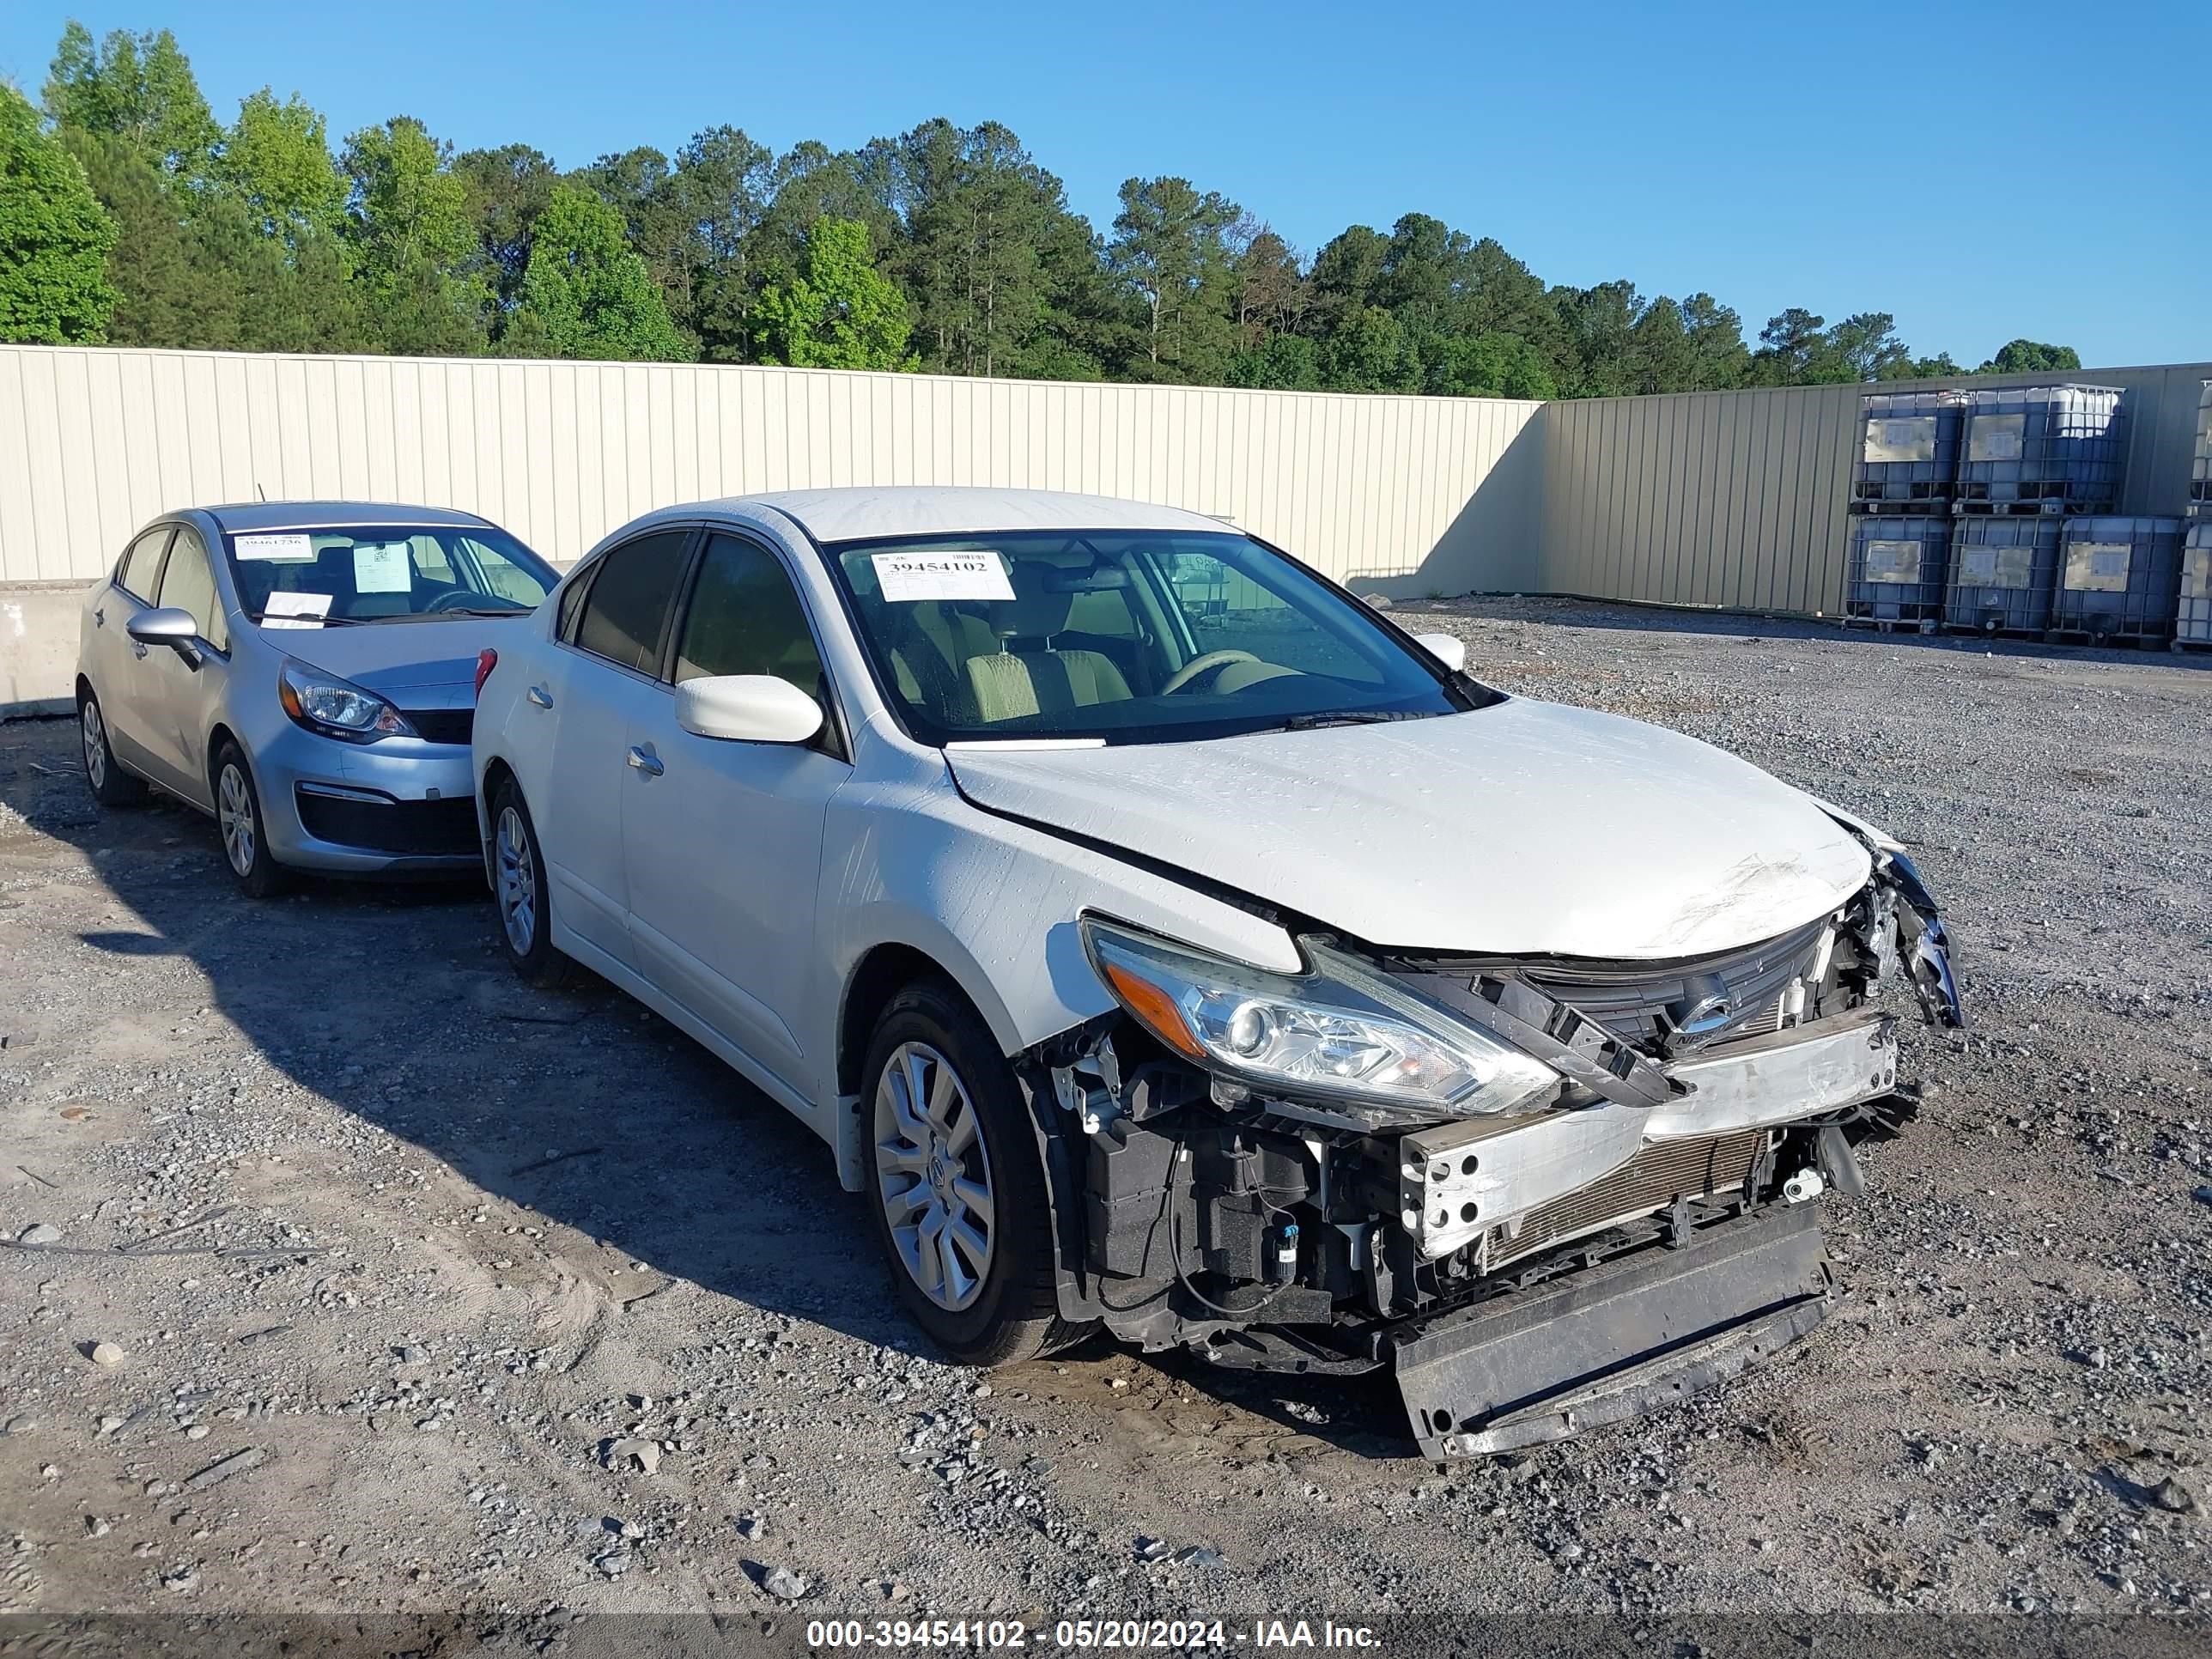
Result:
1164,939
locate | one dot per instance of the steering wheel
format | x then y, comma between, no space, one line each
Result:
455,599
1197,665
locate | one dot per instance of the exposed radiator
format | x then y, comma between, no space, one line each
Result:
1662,1172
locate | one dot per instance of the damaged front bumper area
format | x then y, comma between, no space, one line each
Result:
1646,1225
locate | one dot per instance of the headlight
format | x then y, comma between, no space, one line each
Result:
337,708
1338,1031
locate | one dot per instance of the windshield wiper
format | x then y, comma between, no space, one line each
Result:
304,617
1350,717
472,611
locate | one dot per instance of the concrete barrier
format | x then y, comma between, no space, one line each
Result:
38,648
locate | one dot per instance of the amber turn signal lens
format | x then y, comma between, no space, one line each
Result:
1155,1008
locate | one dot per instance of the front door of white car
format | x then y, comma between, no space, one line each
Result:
176,697
722,839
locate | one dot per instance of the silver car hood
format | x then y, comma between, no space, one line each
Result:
398,656
1525,829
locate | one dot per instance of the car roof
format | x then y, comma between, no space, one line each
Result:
863,512
233,516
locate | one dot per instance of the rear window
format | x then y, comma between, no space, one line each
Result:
627,605
384,574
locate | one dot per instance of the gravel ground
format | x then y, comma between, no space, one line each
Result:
369,1283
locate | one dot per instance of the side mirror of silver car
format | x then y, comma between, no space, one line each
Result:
168,625
747,708
1447,650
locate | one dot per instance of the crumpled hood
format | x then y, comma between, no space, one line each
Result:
398,656
1525,829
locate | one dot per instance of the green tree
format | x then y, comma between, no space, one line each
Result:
587,293
277,159
504,190
1284,363
1273,294
1491,365
2031,357
141,88
1168,247
840,311
722,188
54,238
1718,357
415,241
1347,273
1368,351
197,269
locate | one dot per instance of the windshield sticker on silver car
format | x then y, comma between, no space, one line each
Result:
295,610
288,548
910,578
382,568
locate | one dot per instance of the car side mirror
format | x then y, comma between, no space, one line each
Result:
170,625
747,708
1445,648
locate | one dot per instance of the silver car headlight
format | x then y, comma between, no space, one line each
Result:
337,708
1337,1031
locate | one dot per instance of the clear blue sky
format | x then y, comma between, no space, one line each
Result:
1982,171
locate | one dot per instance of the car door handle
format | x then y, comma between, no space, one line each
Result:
138,648
644,760
100,617
540,695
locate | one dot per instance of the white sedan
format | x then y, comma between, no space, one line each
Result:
1162,938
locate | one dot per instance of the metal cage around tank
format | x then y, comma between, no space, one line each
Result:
1897,571
2192,611
2199,466
1908,448
2003,571
2042,449
2118,578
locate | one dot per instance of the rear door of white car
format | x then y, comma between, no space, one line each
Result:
609,681
723,839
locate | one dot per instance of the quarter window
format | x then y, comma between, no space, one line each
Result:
745,618
141,564
627,608
188,584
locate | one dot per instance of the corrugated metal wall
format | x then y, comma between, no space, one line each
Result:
1437,492
1728,499
1737,499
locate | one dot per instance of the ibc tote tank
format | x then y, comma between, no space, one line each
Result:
2192,612
2044,448
1896,572
2002,570
1908,449
2118,578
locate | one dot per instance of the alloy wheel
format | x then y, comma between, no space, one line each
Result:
518,883
95,743
933,1175
234,814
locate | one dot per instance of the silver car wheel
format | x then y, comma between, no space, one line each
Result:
233,816
933,1175
518,883
95,743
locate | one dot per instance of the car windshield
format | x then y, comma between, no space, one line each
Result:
384,574
1142,636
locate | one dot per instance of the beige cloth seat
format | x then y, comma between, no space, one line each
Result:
1008,684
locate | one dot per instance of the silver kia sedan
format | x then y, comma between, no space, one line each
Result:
306,672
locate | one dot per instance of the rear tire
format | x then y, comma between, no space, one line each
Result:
110,785
519,887
245,830
958,1194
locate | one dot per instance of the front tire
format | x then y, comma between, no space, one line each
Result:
245,831
111,785
519,886
960,1203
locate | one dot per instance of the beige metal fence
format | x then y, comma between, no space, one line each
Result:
1737,499
1728,499
94,441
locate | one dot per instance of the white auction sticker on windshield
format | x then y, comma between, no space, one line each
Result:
288,548
382,568
294,609
908,578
